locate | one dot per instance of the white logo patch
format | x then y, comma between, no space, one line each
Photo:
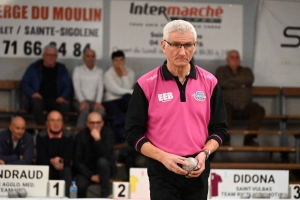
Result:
164,97
199,96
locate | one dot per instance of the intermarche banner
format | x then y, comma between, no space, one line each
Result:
137,28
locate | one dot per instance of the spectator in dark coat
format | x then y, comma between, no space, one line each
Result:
16,145
46,85
55,149
94,160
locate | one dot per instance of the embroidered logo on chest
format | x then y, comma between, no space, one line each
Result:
199,96
164,97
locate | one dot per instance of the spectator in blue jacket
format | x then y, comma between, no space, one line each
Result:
47,85
16,145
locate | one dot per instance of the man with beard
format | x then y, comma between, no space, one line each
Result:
55,148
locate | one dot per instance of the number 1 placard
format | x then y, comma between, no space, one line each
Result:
56,188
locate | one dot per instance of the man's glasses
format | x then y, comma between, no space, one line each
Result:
95,122
175,46
55,120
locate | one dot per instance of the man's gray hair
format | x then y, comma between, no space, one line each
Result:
88,49
178,26
50,46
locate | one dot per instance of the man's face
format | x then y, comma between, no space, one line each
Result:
55,122
118,62
89,58
50,57
95,122
179,57
17,128
233,60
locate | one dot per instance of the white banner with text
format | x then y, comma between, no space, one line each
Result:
137,26
277,51
237,184
28,26
33,179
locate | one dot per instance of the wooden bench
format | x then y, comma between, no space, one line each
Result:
293,149
259,148
270,92
10,86
290,92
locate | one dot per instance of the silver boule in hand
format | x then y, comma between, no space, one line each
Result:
192,164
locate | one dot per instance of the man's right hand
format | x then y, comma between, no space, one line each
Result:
95,178
171,161
36,95
57,164
2,162
83,105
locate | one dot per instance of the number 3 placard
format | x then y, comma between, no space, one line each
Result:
121,190
295,191
56,188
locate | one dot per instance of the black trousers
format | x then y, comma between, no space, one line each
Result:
38,106
166,185
104,172
115,119
65,174
253,112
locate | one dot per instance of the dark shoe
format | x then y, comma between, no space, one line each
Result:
250,142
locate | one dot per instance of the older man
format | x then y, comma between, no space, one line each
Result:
16,145
88,87
55,149
236,83
94,156
177,111
47,85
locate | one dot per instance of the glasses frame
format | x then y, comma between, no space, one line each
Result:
181,45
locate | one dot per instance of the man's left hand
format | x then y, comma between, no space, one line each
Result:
60,100
201,157
96,134
98,105
2,162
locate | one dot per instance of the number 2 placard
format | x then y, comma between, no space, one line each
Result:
121,190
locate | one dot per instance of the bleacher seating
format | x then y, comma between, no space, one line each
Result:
274,98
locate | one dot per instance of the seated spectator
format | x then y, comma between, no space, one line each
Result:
55,149
118,83
132,159
236,83
88,87
16,145
46,85
94,156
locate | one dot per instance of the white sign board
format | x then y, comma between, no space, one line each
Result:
139,183
28,26
34,179
236,184
137,26
277,50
